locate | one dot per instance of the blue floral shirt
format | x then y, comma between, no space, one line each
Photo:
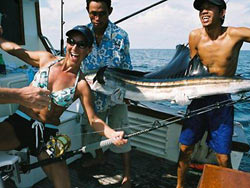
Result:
113,51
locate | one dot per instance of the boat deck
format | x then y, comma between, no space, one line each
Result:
147,172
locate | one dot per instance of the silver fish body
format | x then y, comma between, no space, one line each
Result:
180,81
177,90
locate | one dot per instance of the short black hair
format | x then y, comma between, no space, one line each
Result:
108,3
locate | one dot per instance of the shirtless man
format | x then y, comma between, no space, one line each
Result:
218,48
27,96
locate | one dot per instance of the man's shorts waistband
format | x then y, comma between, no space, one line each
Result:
25,116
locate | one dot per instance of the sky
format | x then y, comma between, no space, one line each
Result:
161,27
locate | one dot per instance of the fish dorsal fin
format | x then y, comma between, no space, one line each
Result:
99,75
175,68
196,68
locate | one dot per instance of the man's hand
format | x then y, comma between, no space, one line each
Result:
34,97
181,99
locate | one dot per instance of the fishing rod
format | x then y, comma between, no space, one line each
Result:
66,155
156,125
62,23
138,12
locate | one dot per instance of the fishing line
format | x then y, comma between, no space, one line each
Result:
157,124
189,114
120,128
199,111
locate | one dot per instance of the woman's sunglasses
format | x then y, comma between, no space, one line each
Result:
80,44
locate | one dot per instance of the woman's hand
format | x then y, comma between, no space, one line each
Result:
1,30
118,139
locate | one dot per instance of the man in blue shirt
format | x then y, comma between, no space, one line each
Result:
110,48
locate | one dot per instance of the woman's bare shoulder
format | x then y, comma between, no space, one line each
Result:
82,86
46,58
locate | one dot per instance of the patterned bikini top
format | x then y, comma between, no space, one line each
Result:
64,97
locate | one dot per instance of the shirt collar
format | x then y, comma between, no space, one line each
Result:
108,32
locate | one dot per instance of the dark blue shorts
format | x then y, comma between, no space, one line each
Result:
218,123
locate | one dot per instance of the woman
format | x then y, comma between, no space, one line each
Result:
62,76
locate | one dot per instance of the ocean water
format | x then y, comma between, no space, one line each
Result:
148,60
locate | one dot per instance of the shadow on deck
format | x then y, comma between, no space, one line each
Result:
147,172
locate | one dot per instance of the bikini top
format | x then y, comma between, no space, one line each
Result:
64,97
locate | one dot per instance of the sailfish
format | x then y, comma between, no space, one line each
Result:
179,81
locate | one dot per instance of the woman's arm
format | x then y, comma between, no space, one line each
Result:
33,58
99,125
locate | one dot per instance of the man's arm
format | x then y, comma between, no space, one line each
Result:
193,41
28,96
241,33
